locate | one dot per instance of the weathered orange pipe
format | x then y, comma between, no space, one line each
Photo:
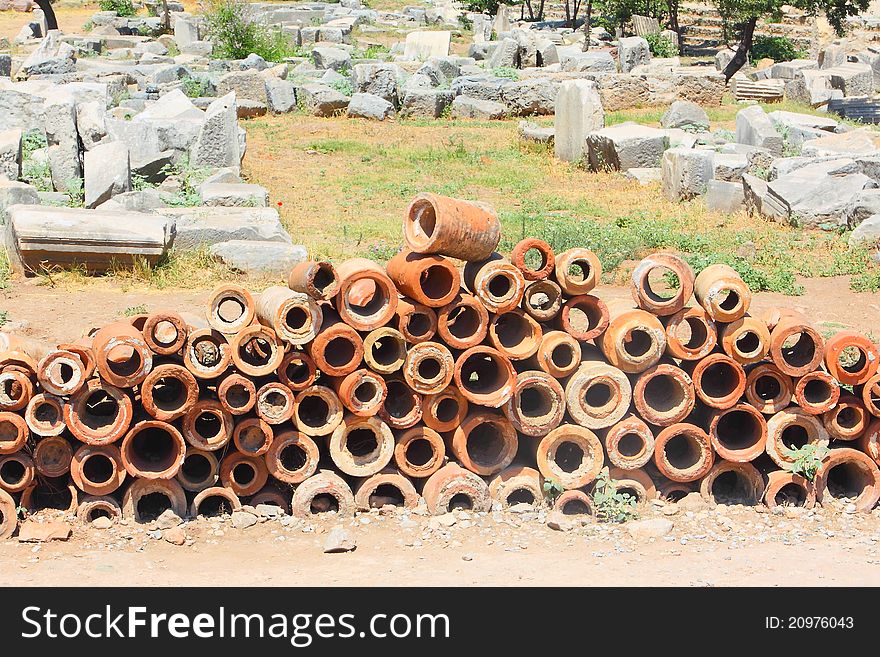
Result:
683,452
739,433
237,393
8,515
515,334
416,322
485,443
629,443
428,367
153,450
292,457
294,317
496,283
362,392
200,470
170,489
816,392
452,487
361,446
44,415
597,395
463,323
722,293
584,317
748,489
168,392
430,280
786,489
97,470
230,308
577,271
316,278
383,488
244,474
768,389
92,507
719,380
871,395
252,436
746,340
559,354
419,452
570,455
690,334
321,493
542,300
213,495
165,332
52,457
207,353
484,376
649,299
275,403
544,251
792,428
857,474
367,298
16,390
99,414
255,351
451,227
317,411
297,370
664,395
17,472
537,405
207,425
445,410
122,357
862,368
805,354
848,420
337,350
517,484
634,340
61,372
636,483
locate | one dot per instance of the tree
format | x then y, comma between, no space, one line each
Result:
51,21
744,15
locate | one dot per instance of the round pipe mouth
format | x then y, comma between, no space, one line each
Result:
664,395
690,334
17,472
61,373
571,455
537,405
316,278
237,394
16,390
207,354
93,507
322,493
719,381
255,351
817,393
683,453
543,300
534,258
297,371
99,414
168,392
445,410
199,470
52,457
385,350
153,450
418,324
515,334
733,483
361,446
45,415
484,376
574,503
165,333
366,310
485,444
403,405
419,452
244,475
463,323
213,502
421,224
739,434
207,425
584,317
293,457
768,389
98,470
317,411
230,309
253,436
275,403
629,443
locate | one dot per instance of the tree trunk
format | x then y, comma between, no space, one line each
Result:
587,25
167,15
742,50
673,24
51,21
574,14
541,11
531,11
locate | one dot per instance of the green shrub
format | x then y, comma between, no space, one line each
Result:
505,72
660,45
235,34
777,48
121,7
196,87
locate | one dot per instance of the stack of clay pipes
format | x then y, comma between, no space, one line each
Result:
358,386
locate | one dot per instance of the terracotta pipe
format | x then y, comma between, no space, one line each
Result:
99,414
8,515
322,493
647,298
44,415
546,260
733,483
243,474
629,443
452,487
559,354
570,455
316,278
271,496
673,491
317,411
485,443
255,351
869,442
385,488
574,503
683,452
636,483
230,308
253,436
584,317
871,395
416,322
83,349
792,428
690,334
385,350
542,300
846,421
168,392
16,390
337,350
200,470
597,394
719,380
275,403
768,389
861,368
634,340
165,333
795,346
61,372
292,457
577,271
515,334
816,392
463,323
367,298
497,284
361,446
207,353
97,470
537,405
122,357
137,321
34,349
153,450
293,316
787,489
746,340
722,293
428,368
237,393
430,280
517,484
484,376
451,227
362,392
52,456
140,489
664,395
445,410
92,507
419,452
739,433
216,499
48,493
207,425
17,472
848,473
297,370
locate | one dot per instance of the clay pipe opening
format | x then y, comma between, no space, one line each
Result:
153,450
